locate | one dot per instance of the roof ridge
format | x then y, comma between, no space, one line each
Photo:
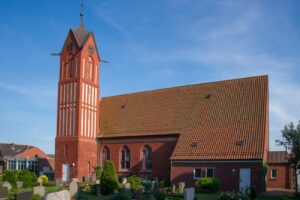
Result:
189,85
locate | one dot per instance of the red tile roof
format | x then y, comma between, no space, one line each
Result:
226,119
278,157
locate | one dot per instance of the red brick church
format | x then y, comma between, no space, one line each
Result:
218,129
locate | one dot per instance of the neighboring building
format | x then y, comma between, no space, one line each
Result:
218,129
280,174
21,157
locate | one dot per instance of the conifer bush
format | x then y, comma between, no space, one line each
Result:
109,179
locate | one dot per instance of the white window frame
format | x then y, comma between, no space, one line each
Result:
274,177
213,174
196,178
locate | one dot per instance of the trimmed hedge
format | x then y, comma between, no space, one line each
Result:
109,180
209,184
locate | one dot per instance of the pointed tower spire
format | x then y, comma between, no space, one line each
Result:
81,34
81,25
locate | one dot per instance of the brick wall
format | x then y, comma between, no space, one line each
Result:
228,173
162,148
283,176
81,152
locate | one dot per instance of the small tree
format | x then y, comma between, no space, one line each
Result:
109,179
291,142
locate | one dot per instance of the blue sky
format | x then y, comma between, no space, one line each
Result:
150,45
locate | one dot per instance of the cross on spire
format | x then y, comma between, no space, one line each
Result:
81,14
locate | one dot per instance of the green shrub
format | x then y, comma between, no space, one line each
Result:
28,178
35,197
251,192
209,184
164,183
135,183
109,180
232,196
122,196
44,178
158,195
98,171
11,176
147,184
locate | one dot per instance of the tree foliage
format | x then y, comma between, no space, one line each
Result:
291,141
109,179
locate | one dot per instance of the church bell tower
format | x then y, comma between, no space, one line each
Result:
77,106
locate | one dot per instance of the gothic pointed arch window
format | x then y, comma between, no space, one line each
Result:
147,157
105,154
125,157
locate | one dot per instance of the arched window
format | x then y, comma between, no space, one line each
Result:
105,154
147,157
125,158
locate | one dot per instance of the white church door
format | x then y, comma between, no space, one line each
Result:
245,174
66,172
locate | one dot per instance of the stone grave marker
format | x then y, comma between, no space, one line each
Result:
138,194
127,187
173,188
73,188
181,186
23,196
189,193
39,190
7,185
63,194
3,193
19,184
40,181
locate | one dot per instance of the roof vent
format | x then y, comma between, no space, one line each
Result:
208,96
123,106
194,144
240,143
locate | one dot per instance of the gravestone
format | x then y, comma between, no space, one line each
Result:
181,186
73,188
40,181
156,182
23,196
7,185
19,184
124,180
63,194
173,188
127,187
189,193
3,193
39,190
138,194
98,190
